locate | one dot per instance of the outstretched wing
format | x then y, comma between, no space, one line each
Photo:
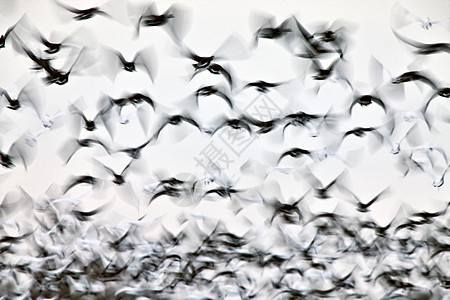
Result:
146,58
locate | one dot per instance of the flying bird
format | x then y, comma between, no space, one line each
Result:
84,216
5,36
290,212
366,100
170,181
212,90
150,18
322,73
362,131
118,178
264,126
72,146
134,99
232,48
200,61
139,98
443,92
315,48
428,149
216,69
402,17
32,97
295,153
335,34
18,151
223,191
175,120
330,74
424,48
322,191
395,147
167,191
114,61
54,43
262,86
174,20
364,206
268,30
420,157
61,77
112,10
31,138
52,47
414,76
135,152
233,123
40,64
14,104
301,119
83,179
82,119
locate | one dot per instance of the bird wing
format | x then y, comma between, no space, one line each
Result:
31,95
189,53
146,59
111,62
226,98
148,100
355,101
158,132
410,42
20,149
379,102
401,17
69,150
117,54
70,8
225,74
234,47
179,24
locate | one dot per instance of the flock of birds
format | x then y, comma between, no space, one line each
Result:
63,250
